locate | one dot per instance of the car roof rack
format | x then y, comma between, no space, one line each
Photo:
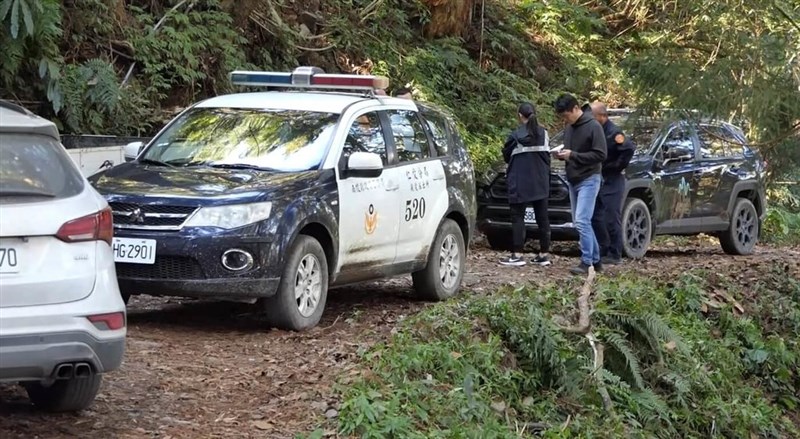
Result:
310,78
14,107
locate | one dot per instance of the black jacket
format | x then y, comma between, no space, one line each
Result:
528,173
587,141
620,150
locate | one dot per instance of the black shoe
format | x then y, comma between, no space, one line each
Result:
598,267
513,261
581,269
544,261
610,260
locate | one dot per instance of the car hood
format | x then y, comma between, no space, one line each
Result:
556,167
640,162
194,182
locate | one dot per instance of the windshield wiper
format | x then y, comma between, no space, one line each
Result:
156,162
26,193
195,163
239,166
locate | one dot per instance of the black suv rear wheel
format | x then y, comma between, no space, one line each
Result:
637,228
499,241
741,236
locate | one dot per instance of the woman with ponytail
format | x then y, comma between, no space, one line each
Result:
527,153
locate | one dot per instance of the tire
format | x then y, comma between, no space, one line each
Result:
637,228
284,310
499,241
64,395
126,297
742,235
448,252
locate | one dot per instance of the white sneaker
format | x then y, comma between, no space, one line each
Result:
513,261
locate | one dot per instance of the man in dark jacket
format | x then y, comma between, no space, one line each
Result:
607,219
584,152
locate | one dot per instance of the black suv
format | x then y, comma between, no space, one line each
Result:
689,176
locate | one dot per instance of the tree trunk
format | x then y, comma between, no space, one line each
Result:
449,18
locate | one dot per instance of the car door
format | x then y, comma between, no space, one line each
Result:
368,221
423,188
675,164
720,160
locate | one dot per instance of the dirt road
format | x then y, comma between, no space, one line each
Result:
205,369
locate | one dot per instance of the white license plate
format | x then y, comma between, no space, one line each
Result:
134,251
530,218
10,259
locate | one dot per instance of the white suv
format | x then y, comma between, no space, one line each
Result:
62,319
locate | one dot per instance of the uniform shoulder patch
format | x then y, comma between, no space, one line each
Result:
619,138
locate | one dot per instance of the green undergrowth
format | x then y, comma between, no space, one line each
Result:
782,226
678,363
782,222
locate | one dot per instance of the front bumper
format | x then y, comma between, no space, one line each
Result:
191,266
34,357
494,218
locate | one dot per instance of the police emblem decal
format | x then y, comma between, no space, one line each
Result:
370,220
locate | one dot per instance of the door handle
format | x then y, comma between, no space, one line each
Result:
392,188
439,177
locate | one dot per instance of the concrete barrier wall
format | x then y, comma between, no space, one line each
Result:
92,152
91,160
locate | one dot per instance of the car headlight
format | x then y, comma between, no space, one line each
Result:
230,217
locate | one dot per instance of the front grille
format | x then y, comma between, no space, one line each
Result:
165,267
150,216
503,215
558,190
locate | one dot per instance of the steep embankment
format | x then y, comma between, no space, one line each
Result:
124,66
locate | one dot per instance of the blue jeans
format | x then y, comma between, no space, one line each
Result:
582,198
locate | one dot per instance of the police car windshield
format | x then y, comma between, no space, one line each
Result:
275,140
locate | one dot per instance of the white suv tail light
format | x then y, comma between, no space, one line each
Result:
95,227
112,321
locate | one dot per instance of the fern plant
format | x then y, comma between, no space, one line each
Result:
19,12
33,51
194,47
91,95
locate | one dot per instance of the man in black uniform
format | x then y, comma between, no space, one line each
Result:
607,218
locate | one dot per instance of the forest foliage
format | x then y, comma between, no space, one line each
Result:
124,67
681,358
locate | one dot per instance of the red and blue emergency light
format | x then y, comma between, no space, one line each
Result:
309,77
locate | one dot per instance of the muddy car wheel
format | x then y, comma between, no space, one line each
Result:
441,278
741,237
637,228
303,290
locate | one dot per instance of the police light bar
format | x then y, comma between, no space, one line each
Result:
309,77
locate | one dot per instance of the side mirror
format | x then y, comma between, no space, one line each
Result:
131,150
364,165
